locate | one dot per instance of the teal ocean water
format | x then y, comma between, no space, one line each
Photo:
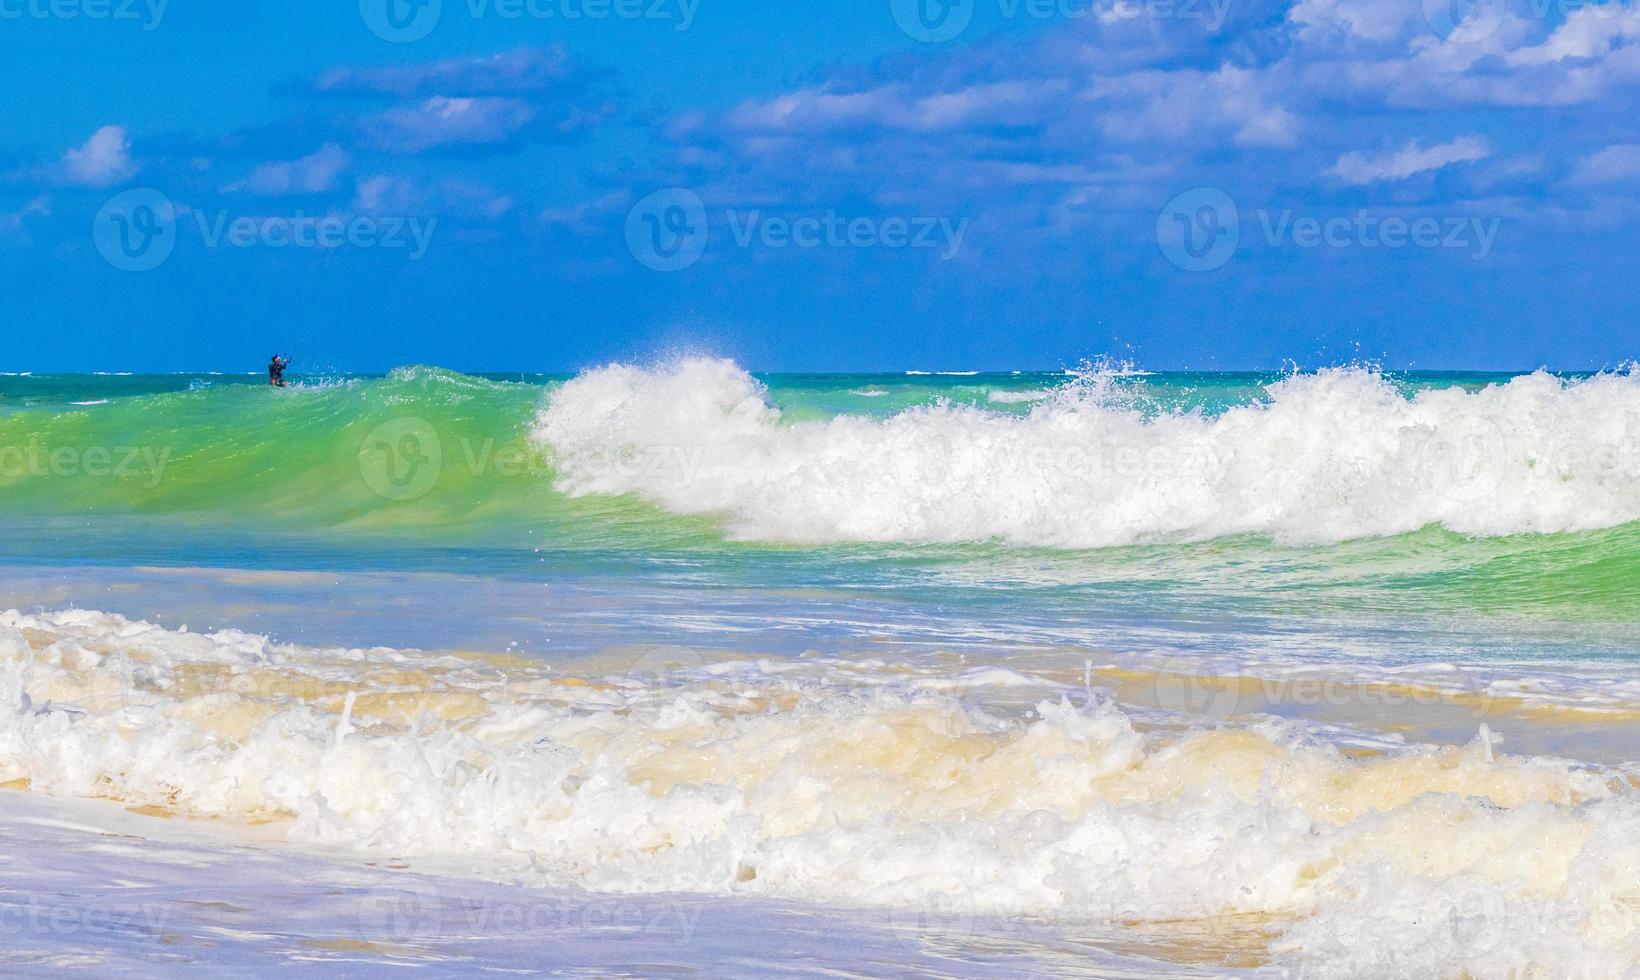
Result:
1346,491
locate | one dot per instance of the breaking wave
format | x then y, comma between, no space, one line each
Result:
1321,458
870,786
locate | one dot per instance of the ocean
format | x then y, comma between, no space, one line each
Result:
674,669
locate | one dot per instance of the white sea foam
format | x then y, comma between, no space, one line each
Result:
1325,457
732,779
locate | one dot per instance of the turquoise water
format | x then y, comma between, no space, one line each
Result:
215,470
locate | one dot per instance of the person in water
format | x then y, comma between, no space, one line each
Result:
276,371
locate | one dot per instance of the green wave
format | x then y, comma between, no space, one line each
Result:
327,456
331,461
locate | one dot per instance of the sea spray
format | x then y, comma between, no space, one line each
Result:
1322,458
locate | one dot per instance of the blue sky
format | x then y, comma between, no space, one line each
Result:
882,184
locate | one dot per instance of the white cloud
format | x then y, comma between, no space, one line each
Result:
402,196
1588,34
104,159
312,174
447,122
12,225
1614,163
1358,168
1372,20
1193,108
898,106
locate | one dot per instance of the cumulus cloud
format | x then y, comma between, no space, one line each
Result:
102,160
312,174
464,106
1589,33
1371,20
14,224
1614,163
1359,168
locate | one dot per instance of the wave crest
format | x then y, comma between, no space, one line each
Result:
1325,457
